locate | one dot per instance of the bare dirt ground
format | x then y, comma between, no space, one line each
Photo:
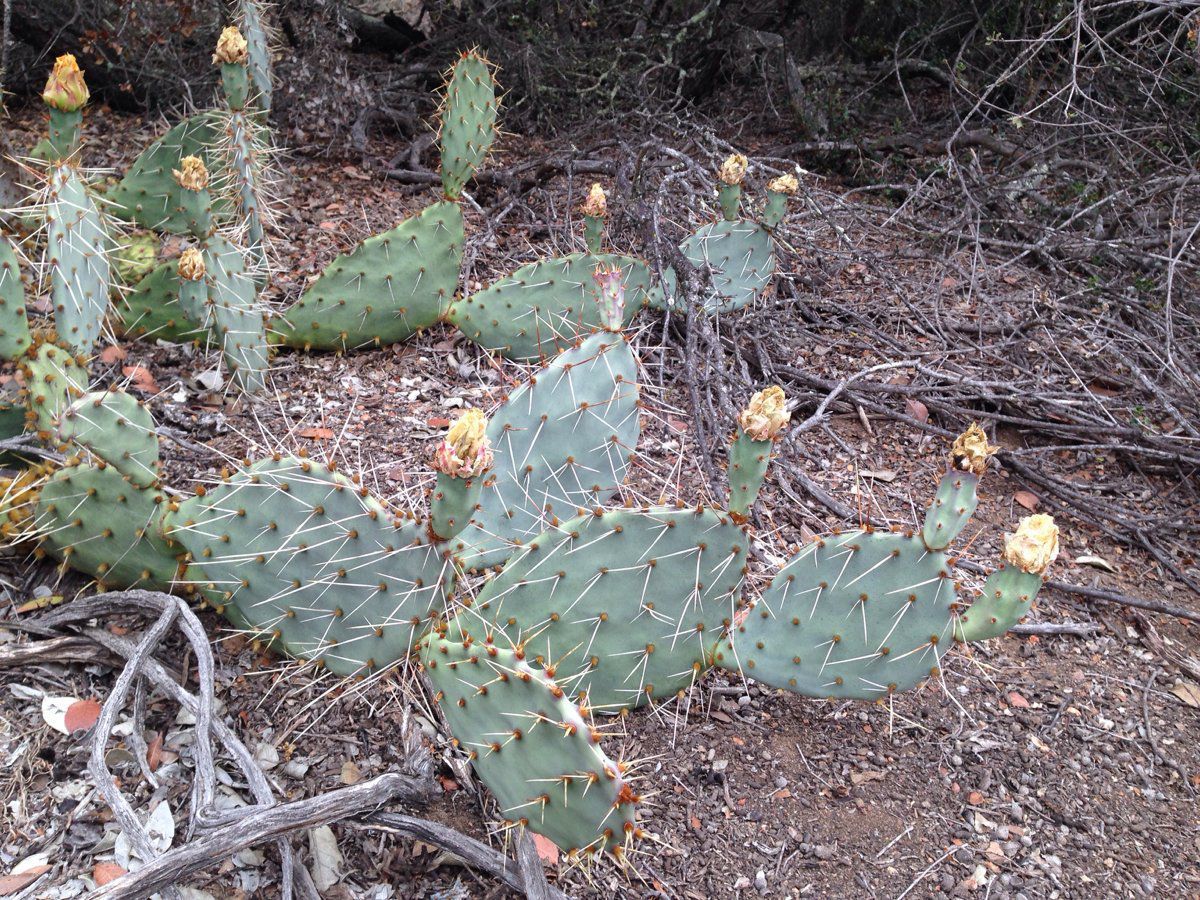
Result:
1038,766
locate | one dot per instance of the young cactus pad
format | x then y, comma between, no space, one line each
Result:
98,522
152,309
148,194
297,553
626,606
114,427
14,325
235,315
54,378
258,51
857,615
561,441
530,745
468,122
77,246
741,258
546,306
391,286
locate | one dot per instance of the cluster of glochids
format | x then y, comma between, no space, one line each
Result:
584,607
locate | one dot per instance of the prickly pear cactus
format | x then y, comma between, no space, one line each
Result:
393,285
299,554
234,314
259,38
114,428
740,256
77,248
532,747
54,378
468,120
546,306
152,309
561,441
148,194
14,326
96,521
625,606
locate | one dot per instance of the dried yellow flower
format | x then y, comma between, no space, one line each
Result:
191,174
231,48
65,89
733,170
596,203
971,450
784,184
191,265
465,453
766,415
1034,546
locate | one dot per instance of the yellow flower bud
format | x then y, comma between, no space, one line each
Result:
191,265
191,174
466,452
767,414
596,203
66,90
971,450
1034,546
733,170
784,184
231,48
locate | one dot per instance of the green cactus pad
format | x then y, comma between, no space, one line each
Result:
244,149
626,606
855,615
530,745
953,505
54,379
116,428
99,523
77,247
14,326
235,316
1007,595
152,309
258,47
544,307
391,286
561,441
468,124
299,554
148,194
742,259
134,257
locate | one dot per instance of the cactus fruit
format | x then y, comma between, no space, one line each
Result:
1009,591
97,521
729,185
594,209
54,379
393,285
546,306
77,248
149,194
134,257
468,121
14,325
778,191
115,428
758,425
299,554
561,441
626,606
462,460
956,497
258,52
532,747
66,94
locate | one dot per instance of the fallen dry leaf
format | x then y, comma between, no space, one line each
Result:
1017,700
113,353
1187,692
154,751
316,433
82,715
547,850
140,379
10,884
917,410
863,777
1027,499
1096,562
350,773
106,871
